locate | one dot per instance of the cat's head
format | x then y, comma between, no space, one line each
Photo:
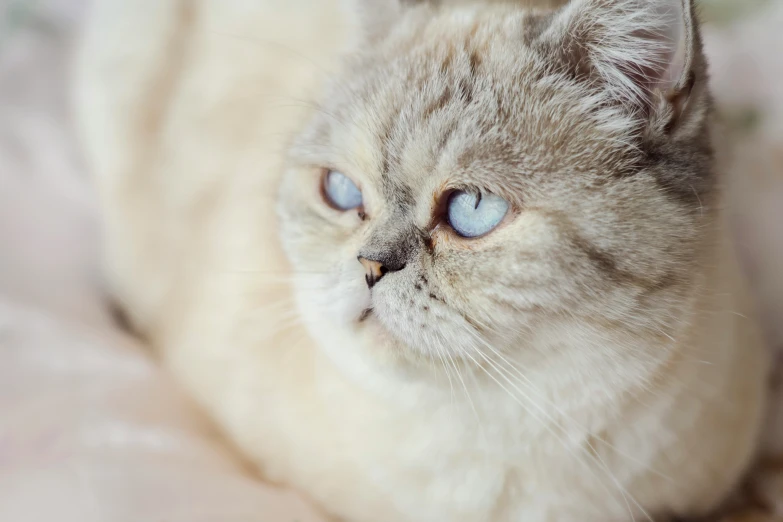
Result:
494,178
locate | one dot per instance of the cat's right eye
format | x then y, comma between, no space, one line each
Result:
340,192
473,215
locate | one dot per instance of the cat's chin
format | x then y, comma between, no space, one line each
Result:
376,334
388,343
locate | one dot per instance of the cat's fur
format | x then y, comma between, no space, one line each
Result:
590,360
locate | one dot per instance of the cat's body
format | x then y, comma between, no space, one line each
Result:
608,411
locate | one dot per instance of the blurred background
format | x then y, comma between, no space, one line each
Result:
50,284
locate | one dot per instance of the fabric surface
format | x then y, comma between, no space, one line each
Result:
92,431
90,428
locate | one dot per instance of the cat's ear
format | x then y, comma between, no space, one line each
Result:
646,53
377,17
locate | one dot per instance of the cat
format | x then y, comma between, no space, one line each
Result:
430,262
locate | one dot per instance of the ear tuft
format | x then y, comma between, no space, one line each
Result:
640,50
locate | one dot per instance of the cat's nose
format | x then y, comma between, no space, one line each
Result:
374,270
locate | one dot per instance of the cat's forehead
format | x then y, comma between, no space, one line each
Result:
469,95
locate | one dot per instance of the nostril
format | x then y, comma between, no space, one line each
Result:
375,270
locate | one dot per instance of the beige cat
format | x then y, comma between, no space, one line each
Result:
507,292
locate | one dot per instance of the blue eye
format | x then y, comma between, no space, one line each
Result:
341,192
473,215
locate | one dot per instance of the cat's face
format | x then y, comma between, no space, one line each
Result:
480,179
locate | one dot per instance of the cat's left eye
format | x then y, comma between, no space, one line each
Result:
473,214
341,192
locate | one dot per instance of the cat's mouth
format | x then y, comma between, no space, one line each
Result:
366,313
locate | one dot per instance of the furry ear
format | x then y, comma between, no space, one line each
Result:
642,51
376,17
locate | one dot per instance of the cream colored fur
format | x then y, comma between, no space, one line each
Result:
187,110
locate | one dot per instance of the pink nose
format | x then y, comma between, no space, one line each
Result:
373,271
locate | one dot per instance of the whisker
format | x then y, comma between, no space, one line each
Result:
464,387
595,454
546,426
